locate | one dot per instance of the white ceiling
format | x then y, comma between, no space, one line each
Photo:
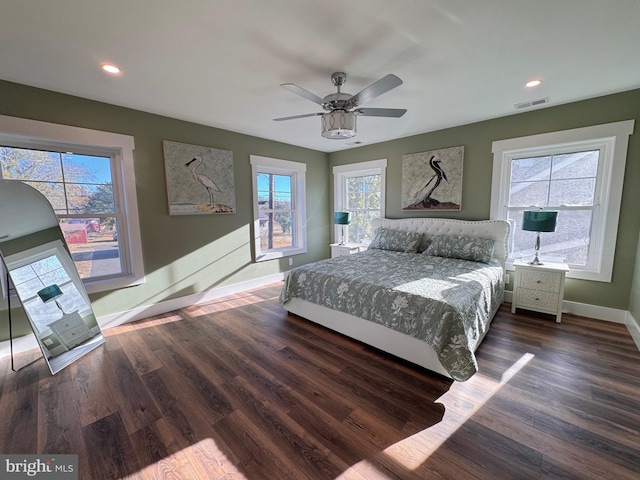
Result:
220,63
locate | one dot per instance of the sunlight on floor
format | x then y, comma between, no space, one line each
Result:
201,460
225,303
413,451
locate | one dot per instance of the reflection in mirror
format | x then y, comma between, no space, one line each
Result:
44,276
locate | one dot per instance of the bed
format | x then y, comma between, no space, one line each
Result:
426,292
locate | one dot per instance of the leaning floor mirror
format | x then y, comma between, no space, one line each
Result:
43,276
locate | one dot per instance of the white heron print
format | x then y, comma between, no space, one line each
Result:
432,180
208,183
200,180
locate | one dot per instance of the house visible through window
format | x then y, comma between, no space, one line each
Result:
578,173
279,207
80,190
565,183
359,189
88,177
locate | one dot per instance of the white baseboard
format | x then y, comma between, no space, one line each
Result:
139,313
599,313
28,342
585,310
634,329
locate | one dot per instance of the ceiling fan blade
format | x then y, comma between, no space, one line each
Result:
383,85
381,112
297,116
302,92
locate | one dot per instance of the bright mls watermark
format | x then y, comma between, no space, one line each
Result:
50,467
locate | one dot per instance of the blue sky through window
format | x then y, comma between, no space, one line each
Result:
100,167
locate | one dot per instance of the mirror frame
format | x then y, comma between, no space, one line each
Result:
32,240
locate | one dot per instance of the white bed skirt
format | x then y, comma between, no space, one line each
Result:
402,346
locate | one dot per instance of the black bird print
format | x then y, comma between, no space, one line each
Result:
439,175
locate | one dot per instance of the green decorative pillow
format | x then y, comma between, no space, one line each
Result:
464,248
395,240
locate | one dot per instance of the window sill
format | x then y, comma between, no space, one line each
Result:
279,253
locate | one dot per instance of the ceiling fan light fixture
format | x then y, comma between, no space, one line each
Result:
338,125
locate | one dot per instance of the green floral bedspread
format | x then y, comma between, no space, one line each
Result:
445,302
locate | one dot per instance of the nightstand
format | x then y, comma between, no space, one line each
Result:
338,250
71,330
539,287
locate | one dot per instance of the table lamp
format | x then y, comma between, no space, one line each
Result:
342,218
538,221
50,294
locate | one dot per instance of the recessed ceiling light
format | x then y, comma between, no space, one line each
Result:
109,68
533,83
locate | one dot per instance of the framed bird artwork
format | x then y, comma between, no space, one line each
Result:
200,180
433,180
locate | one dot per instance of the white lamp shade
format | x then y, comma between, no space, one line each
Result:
338,124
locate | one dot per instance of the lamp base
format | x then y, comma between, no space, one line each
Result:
536,260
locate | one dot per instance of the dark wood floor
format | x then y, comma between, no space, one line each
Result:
237,389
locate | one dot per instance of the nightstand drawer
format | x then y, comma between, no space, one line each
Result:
537,300
79,333
542,281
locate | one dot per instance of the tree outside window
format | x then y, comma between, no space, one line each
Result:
80,190
359,188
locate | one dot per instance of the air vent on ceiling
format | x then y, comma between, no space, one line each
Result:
532,103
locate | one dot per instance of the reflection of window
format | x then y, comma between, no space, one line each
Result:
578,173
279,207
39,267
359,189
92,191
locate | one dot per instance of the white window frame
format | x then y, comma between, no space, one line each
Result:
297,171
33,134
342,173
612,141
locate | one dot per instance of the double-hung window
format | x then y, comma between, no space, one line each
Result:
279,207
578,173
88,178
359,189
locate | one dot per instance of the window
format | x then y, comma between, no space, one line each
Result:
359,189
34,269
578,173
279,207
88,178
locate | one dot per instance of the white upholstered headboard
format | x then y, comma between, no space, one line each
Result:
497,229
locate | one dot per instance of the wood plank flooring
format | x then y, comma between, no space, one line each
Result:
238,389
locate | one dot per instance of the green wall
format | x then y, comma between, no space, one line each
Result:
183,254
634,302
478,162
191,254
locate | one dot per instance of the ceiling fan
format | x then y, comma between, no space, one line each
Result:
341,109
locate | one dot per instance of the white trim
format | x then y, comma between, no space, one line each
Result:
595,312
297,170
36,134
634,328
342,172
613,139
357,167
28,342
